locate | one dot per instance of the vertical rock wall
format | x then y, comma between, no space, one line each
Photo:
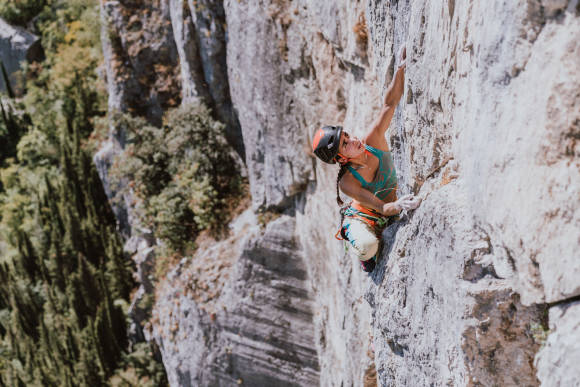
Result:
225,319
240,311
295,66
141,57
487,136
486,133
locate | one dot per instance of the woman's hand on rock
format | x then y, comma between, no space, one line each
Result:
402,56
405,203
408,202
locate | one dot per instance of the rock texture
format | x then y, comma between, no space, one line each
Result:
253,329
209,23
17,45
442,315
489,153
166,51
557,360
487,133
258,55
141,57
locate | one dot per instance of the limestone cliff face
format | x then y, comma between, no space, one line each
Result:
226,318
487,133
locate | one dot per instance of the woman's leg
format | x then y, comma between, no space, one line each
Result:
362,238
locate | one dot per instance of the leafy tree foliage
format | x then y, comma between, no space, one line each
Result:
20,12
12,126
184,173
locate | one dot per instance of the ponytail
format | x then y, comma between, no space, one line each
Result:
341,173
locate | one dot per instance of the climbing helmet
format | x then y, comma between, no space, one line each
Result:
326,142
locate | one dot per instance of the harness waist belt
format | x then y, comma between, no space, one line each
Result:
366,211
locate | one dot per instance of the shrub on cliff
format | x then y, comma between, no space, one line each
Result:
20,12
183,174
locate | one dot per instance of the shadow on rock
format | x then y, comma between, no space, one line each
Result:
387,242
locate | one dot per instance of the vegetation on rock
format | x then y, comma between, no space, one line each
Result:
183,175
20,12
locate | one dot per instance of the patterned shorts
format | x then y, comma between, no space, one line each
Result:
361,236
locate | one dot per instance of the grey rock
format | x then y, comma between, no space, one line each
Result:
141,59
199,29
438,320
17,45
103,161
261,330
557,360
268,110
210,26
139,241
192,77
486,133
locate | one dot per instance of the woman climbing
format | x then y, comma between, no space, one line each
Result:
367,174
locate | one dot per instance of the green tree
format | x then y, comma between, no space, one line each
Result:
184,174
20,12
63,275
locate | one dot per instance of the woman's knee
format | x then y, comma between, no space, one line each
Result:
368,248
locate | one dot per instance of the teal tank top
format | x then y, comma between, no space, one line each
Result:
385,180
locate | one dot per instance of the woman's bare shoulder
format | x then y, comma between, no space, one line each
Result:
376,141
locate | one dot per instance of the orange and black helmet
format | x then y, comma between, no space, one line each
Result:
326,142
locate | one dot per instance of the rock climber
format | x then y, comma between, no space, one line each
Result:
367,175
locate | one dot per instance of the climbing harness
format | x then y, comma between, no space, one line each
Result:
376,221
384,182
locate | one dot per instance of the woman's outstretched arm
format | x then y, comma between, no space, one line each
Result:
397,86
376,136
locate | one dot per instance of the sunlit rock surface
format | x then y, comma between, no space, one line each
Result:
240,313
557,360
487,133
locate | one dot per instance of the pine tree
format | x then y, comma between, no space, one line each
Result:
60,286
28,263
72,333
